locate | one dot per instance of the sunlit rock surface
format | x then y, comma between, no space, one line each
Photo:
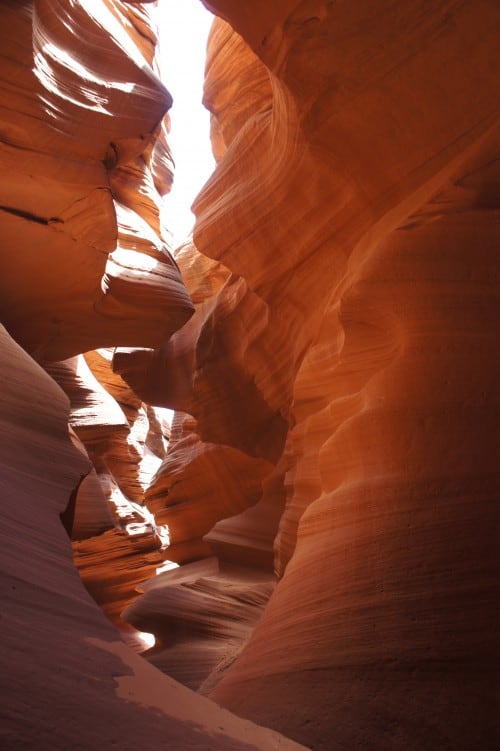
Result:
67,680
81,145
362,208
117,542
84,163
353,344
335,389
84,160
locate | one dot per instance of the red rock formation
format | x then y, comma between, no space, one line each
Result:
201,614
356,200
84,163
67,681
117,542
391,522
84,158
79,180
335,387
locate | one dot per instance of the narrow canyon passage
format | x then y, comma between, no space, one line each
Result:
311,540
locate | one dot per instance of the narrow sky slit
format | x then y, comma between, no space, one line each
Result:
184,26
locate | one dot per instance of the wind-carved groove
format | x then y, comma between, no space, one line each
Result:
31,217
68,515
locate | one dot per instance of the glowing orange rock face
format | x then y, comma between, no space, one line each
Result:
83,160
59,651
336,387
360,205
352,223
83,264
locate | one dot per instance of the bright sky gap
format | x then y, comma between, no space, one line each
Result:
183,31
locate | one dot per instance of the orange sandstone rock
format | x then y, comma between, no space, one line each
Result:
82,262
362,208
85,161
61,661
335,388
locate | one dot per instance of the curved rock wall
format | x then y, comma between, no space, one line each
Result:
355,201
84,159
79,180
67,680
84,164
363,209
335,386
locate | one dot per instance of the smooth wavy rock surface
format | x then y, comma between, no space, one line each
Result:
359,207
201,614
335,388
348,335
84,160
116,541
83,264
67,681
225,437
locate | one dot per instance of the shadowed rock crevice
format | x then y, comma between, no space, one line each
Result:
30,217
68,515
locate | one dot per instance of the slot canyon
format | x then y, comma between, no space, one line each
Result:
314,540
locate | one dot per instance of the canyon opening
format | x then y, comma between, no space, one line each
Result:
271,455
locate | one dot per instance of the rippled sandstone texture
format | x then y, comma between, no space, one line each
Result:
352,343
84,164
336,387
84,160
67,681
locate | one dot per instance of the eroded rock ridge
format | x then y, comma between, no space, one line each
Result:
317,550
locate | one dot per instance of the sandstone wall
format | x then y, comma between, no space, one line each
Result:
82,144
84,160
356,203
67,680
371,233
335,379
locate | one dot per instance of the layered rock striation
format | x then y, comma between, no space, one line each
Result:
84,162
330,488
356,204
67,680
82,144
